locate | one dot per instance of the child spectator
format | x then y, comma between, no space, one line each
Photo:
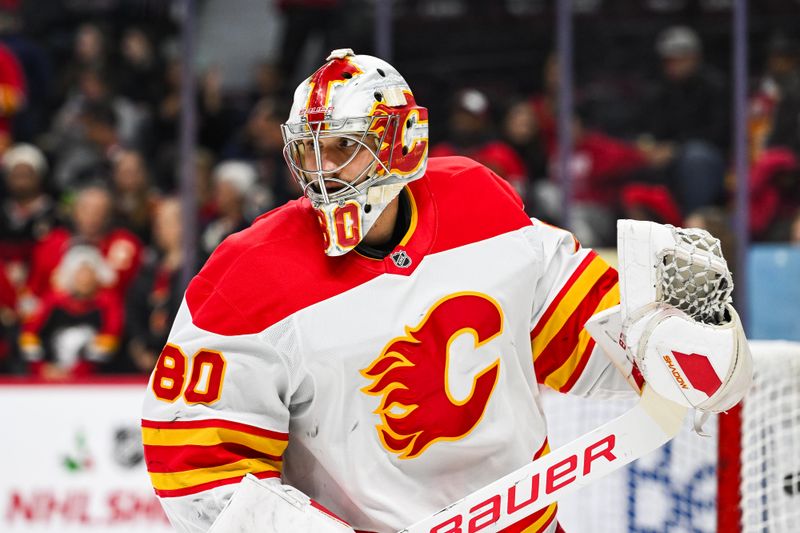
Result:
77,327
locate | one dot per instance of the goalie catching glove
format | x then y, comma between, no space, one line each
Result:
675,321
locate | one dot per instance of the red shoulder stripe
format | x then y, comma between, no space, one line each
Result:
215,423
563,344
560,296
167,459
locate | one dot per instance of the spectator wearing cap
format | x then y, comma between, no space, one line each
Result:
90,223
27,212
686,123
233,181
77,327
471,133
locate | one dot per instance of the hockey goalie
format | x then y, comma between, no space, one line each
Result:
362,357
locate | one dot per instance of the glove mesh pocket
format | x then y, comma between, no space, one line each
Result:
695,277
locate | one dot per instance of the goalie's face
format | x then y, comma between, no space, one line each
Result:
332,167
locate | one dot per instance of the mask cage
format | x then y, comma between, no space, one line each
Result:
323,186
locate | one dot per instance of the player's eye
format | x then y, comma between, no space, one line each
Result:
346,143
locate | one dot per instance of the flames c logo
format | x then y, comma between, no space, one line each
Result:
411,375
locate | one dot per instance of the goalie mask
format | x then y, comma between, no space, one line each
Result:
354,137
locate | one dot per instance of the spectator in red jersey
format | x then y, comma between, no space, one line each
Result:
157,291
12,93
470,133
134,198
600,167
91,224
642,201
78,327
774,193
27,213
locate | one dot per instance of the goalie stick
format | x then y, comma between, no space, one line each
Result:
652,422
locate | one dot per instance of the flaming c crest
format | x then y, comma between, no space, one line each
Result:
411,376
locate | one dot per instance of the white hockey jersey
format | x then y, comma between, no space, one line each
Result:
383,389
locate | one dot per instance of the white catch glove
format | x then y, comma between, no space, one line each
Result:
677,324
259,506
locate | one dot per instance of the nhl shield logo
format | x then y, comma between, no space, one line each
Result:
401,259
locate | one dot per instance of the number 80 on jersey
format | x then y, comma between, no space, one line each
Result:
205,376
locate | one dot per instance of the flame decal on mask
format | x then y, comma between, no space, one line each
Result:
321,85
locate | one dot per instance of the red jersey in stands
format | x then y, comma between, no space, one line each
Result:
121,249
384,389
74,333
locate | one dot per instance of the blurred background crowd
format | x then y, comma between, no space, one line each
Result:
90,219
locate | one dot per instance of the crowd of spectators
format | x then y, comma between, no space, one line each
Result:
90,222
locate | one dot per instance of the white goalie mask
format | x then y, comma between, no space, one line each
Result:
354,138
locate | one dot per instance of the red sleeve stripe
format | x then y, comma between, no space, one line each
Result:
559,338
203,476
538,522
542,322
565,357
215,423
578,370
576,295
186,491
167,459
